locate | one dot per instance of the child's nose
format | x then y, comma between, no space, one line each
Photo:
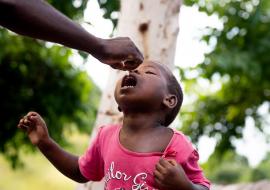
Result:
134,71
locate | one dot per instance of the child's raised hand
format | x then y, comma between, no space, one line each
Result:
170,175
35,127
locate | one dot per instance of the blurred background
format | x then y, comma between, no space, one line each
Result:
222,60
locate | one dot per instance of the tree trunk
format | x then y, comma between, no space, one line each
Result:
153,26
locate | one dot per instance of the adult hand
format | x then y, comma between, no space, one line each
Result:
120,53
37,19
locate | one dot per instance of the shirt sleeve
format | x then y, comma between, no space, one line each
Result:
193,170
91,163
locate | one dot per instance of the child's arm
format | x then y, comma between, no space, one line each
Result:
37,132
37,19
170,175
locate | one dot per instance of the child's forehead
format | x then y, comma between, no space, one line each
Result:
150,63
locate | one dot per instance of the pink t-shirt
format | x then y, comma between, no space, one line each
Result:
125,169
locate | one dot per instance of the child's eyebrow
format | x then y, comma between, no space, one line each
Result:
156,68
151,66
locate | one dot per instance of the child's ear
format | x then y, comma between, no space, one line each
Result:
170,101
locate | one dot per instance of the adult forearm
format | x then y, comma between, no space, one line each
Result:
37,19
65,162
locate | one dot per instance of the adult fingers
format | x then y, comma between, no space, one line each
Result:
134,58
131,64
117,65
124,65
131,55
134,53
139,58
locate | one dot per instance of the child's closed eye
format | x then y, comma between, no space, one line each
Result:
150,72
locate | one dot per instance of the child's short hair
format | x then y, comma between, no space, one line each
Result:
175,89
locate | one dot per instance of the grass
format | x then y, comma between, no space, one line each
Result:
38,173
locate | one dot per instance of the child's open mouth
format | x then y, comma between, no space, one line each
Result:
129,81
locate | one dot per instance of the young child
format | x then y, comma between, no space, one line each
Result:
142,153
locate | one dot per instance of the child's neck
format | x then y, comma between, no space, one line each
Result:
141,122
143,132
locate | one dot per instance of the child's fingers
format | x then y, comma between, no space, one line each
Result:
160,179
19,125
31,114
163,162
160,168
172,162
23,127
26,122
21,121
158,175
159,183
32,118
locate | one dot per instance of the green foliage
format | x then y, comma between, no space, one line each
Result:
40,78
239,63
233,168
71,8
261,171
110,7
